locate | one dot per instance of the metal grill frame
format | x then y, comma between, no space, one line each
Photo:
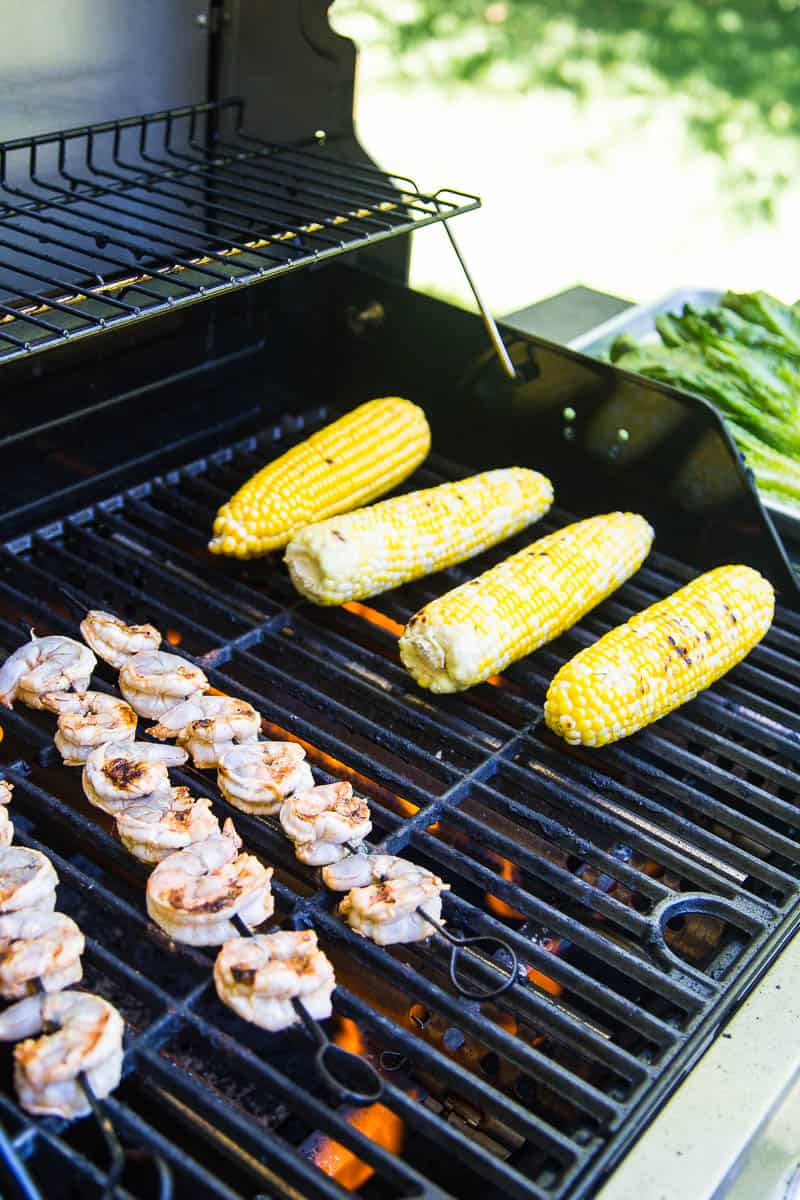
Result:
478,754
146,214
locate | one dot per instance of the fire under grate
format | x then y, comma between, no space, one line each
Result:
644,887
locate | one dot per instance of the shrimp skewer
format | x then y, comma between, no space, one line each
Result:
386,909
194,894
48,664
87,720
117,774
39,951
360,870
325,823
159,825
259,976
27,880
208,726
257,777
113,640
154,681
6,824
81,1045
274,980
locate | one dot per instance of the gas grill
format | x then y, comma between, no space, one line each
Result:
644,888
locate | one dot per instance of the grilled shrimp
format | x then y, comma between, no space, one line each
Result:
154,682
38,950
82,1035
319,821
113,640
386,910
27,880
193,893
87,720
116,774
259,976
48,664
359,870
207,726
6,824
257,777
168,821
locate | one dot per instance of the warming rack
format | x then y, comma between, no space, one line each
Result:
105,225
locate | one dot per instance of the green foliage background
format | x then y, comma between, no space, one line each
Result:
736,63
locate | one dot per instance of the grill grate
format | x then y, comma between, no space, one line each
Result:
644,887
107,224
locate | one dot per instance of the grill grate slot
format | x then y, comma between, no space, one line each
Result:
642,887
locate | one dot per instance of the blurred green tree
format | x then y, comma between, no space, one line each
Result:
736,64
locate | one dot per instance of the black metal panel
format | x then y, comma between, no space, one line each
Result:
645,887
607,438
297,74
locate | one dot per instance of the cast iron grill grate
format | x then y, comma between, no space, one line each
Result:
644,887
107,224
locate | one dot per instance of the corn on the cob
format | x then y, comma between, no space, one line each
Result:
479,628
660,658
372,549
346,464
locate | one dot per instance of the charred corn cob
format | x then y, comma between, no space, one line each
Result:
660,658
365,552
348,463
479,628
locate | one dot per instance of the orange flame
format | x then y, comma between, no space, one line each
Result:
360,782
378,1122
173,637
380,1125
374,617
552,946
509,871
544,982
506,1021
348,1036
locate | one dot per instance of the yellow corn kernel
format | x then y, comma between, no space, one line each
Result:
346,464
476,630
372,549
660,658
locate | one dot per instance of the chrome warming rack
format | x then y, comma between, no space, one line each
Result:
108,224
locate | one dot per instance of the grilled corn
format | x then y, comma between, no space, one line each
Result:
368,551
479,628
660,658
348,463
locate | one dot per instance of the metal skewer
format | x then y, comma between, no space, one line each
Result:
78,606
118,1155
466,943
17,1172
348,1076
357,847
